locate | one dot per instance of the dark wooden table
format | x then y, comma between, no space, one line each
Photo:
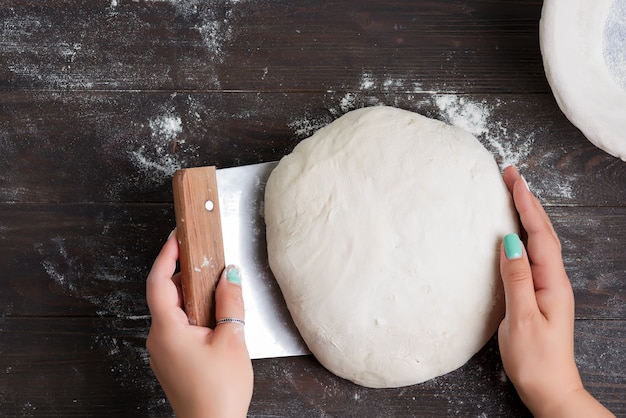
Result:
100,101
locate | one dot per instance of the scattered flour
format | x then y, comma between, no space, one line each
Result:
509,147
156,158
166,127
28,409
69,51
348,102
56,71
124,344
306,126
105,288
216,33
510,143
473,117
64,80
120,332
476,118
12,193
599,353
490,390
367,82
615,42
53,269
215,24
56,62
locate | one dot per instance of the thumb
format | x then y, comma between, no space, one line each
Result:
229,300
517,278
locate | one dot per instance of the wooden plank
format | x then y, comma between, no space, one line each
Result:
77,367
76,260
480,388
93,259
124,147
589,238
99,367
472,46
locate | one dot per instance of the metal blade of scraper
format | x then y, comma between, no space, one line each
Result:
270,331
219,218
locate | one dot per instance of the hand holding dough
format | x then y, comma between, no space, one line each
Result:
536,337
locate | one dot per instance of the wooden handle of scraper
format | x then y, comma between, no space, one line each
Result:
199,230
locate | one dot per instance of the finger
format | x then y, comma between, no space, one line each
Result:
229,299
553,290
177,280
517,278
544,248
161,291
511,175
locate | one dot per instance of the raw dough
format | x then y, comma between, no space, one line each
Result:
574,40
383,232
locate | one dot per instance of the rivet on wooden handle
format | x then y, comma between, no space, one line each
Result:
199,230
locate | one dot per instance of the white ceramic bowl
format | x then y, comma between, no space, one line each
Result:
578,44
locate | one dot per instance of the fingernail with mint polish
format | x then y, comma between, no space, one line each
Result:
512,247
233,275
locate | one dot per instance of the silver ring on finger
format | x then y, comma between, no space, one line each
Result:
230,320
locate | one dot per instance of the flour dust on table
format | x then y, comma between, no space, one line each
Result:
509,146
156,157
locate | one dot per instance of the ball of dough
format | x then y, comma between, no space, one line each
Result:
383,232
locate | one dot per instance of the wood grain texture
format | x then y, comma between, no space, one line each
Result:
101,101
77,259
125,147
285,46
201,245
103,366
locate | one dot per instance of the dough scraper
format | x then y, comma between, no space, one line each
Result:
219,221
